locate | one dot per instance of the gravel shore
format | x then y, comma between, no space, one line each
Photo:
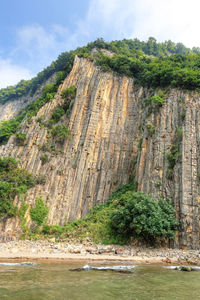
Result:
52,250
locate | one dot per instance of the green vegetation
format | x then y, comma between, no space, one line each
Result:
44,158
153,103
180,70
14,181
39,212
20,138
150,129
143,217
8,128
151,63
21,215
126,215
40,179
60,133
62,66
57,115
174,154
68,94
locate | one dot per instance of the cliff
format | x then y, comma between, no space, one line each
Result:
115,137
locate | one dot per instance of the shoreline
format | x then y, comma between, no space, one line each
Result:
65,252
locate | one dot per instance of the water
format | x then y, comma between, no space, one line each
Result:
56,281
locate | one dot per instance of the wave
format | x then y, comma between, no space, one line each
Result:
18,264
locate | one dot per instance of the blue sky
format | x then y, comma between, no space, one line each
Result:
34,32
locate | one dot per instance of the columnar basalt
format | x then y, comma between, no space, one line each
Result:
109,143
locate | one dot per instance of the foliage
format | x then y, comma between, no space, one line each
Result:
57,114
52,229
174,154
44,158
153,103
14,181
22,210
20,138
69,93
127,214
40,179
150,129
8,128
62,66
152,63
39,212
156,72
156,101
60,133
143,217
21,214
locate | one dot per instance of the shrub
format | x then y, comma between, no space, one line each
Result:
39,212
52,229
20,139
60,133
44,158
154,103
14,181
150,129
143,217
69,93
57,114
40,179
127,214
174,154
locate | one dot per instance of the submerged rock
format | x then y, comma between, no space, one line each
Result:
184,268
120,269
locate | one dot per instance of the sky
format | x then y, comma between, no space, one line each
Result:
34,32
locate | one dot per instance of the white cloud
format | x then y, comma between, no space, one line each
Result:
38,43
10,73
177,20
37,46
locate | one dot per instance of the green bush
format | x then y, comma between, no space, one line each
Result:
57,115
40,179
154,103
52,229
174,155
143,217
60,133
39,212
14,181
69,93
44,158
150,129
127,214
20,138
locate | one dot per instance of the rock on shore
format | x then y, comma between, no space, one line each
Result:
91,251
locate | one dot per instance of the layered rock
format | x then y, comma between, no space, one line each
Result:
110,143
11,108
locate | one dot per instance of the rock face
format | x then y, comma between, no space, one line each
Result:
12,108
114,138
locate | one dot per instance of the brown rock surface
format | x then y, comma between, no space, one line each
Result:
110,142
